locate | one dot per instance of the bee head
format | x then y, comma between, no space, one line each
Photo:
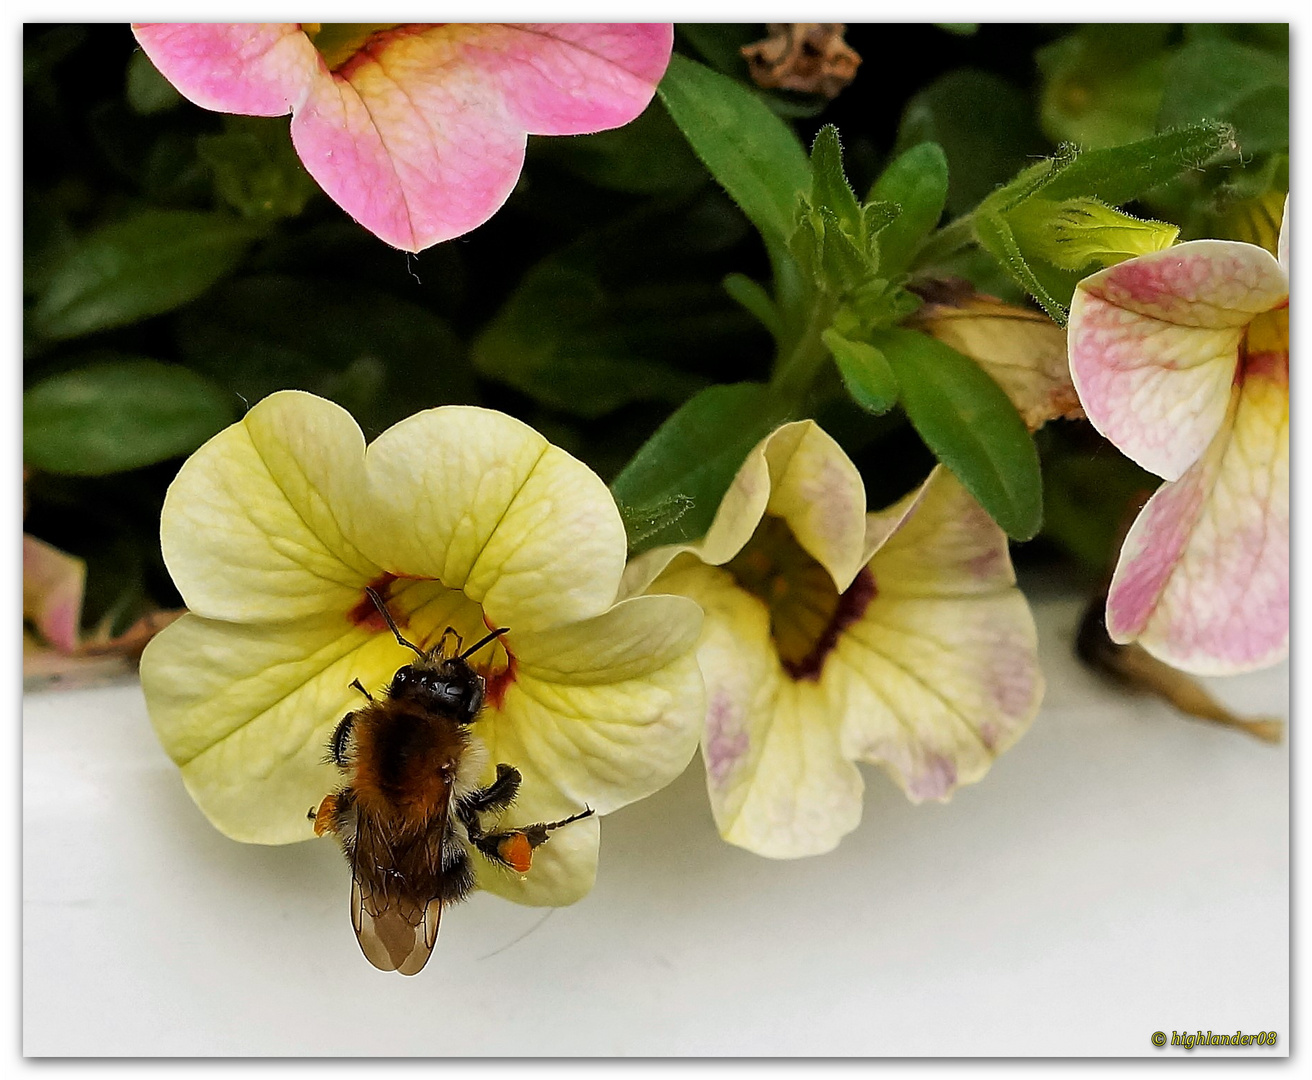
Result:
440,679
448,686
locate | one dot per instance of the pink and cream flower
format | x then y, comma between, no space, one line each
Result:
416,130
1181,359
834,636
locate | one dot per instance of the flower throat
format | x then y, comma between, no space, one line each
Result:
807,612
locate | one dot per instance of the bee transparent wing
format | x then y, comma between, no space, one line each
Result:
389,940
396,929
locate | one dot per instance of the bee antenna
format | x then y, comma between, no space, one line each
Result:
382,610
491,637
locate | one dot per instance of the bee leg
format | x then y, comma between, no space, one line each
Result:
496,796
356,683
515,849
337,744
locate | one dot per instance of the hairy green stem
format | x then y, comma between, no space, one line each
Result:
796,369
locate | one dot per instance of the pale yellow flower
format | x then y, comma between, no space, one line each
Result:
461,517
834,636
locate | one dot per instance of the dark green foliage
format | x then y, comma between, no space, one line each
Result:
179,265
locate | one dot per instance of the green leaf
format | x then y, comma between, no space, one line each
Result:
148,91
917,181
751,152
144,265
694,456
970,425
378,356
1103,83
829,187
752,296
866,374
1121,173
255,167
985,126
122,415
721,44
645,157
1216,79
571,343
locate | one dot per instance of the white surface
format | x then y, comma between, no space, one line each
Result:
1121,871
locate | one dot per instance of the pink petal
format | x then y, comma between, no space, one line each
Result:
1154,343
52,592
255,69
420,136
573,78
1203,578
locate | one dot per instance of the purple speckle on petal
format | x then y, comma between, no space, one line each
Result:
726,741
935,780
1011,678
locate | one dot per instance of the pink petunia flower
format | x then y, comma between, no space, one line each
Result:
1181,359
416,130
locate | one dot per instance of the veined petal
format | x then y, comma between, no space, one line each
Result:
941,673
933,688
255,69
410,139
938,541
573,78
1154,343
53,582
776,776
420,136
797,472
483,503
816,489
254,526
1203,577
246,711
604,729
600,714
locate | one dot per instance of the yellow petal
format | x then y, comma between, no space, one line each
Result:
934,688
938,541
600,714
606,714
246,711
485,504
940,674
797,472
777,779
255,525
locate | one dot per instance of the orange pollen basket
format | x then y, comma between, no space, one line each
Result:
517,852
